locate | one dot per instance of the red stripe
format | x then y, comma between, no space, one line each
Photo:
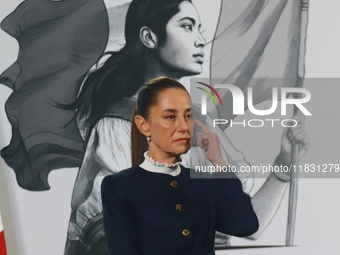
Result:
2,243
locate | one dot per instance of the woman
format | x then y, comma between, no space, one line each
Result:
155,207
162,38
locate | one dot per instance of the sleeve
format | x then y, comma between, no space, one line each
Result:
235,214
119,225
112,147
107,152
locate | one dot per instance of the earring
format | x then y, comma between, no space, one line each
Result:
148,138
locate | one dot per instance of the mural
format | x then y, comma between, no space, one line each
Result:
81,63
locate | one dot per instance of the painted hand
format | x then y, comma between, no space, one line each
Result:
292,136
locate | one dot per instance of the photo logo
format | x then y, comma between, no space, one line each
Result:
239,99
281,98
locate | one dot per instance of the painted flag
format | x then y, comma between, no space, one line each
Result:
2,239
59,42
258,44
261,44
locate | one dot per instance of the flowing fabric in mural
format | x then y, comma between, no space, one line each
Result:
59,42
255,42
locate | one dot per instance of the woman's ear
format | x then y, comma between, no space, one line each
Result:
148,38
142,125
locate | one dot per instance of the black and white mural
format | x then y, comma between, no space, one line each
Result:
71,91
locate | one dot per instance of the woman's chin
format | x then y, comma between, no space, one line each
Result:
196,70
182,150
193,69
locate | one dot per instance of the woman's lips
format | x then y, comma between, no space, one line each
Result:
199,58
182,140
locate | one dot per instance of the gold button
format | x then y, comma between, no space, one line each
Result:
185,232
174,184
178,207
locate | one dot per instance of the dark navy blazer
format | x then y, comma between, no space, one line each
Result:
148,213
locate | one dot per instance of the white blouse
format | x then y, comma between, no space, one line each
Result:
153,166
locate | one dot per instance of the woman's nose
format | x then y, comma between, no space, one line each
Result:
200,41
184,124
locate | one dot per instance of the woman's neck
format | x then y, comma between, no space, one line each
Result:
154,68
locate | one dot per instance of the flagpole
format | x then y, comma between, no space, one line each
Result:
293,189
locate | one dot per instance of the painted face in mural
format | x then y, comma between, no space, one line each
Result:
182,52
170,124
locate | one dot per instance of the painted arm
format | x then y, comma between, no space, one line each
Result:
107,152
268,199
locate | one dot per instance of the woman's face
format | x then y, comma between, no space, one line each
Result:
182,51
170,124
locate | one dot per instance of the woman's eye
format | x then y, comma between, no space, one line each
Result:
188,27
188,116
170,117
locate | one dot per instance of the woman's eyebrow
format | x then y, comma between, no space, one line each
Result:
170,110
192,20
175,110
189,18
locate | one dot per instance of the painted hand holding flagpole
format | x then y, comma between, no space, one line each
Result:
293,188
295,144
299,143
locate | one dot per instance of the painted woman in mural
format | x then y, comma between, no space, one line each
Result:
162,38
172,48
